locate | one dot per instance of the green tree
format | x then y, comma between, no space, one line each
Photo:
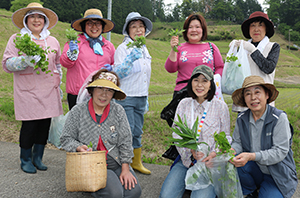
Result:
5,4
18,4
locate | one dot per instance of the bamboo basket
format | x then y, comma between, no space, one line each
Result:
86,171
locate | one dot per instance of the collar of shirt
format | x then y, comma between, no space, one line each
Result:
262,118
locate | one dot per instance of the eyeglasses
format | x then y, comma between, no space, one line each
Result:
36,17
102,90
135,27
91,23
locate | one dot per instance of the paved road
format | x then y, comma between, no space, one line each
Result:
14,183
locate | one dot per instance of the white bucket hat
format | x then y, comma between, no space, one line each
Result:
136,16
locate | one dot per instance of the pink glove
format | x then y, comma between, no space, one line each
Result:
249,47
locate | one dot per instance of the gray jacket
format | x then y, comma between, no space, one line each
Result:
80,129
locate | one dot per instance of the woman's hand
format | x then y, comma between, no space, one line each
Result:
198,155
126,178
83,148
242,159
208,159
174,41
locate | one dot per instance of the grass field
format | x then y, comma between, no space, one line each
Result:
161,87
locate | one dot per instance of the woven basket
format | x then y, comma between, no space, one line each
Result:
86,171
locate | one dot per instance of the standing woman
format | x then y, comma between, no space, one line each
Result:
193,52
89,54
133,66
262,54
36,96
201,89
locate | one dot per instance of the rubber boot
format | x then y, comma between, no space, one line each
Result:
37,155
26,163
137,162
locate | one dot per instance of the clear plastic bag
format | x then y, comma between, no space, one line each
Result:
221,174
55,131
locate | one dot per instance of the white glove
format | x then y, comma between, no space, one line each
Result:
249,47
236,44
32,60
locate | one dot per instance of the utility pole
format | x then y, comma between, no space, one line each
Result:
289,39
109,17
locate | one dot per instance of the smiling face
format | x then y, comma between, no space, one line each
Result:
257,31
256,99
35,23
200,86
136,28
93,28
194,32
101,98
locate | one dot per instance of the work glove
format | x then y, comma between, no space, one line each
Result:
32,60
73,46
107,66
135,54
236,43
249,47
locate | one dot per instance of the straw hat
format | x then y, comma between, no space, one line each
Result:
108,80
238,97
261,16
93,14
17,17
136,16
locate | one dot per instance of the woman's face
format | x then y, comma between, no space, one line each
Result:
194,32
257,31
136,28
200,86
256,98
102,96
35,23
93,28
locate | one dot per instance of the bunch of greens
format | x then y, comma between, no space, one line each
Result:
232,58
222,144
72,35
189,136
90,145
138,43
30,48
175,33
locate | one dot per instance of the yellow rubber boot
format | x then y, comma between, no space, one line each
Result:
137,162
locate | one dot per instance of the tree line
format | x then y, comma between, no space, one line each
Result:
283,13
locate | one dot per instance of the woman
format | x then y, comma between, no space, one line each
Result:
193,52
201,88
133,65
36,96
104,123
89,54
262,54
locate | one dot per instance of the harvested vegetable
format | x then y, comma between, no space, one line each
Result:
138,43
175,33
72,35
90,145
30,48
232,58
222,144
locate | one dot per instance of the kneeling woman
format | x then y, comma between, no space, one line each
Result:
201,88
104,123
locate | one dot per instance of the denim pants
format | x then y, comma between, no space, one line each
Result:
174,184
135,108
251,178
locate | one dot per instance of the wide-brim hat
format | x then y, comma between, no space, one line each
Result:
136,16
17,17
254,16
238,97
119,94
93,14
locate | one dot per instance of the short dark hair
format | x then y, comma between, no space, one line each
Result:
202,22
210,93
82,24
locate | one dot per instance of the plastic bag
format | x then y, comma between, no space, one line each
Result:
222,175
56,127
235,72
217,80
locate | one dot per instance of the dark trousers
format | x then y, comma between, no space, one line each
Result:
34,132
71,100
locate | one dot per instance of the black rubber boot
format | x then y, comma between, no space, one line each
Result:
26,163
37,156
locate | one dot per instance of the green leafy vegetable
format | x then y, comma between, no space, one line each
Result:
72,35
139,42
222,144
232,58
175,33
189,136
30,48
90,145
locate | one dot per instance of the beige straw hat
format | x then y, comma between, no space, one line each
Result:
238,97
17,17
93,14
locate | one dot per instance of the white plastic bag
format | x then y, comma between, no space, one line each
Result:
217,80
56,127
235,72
